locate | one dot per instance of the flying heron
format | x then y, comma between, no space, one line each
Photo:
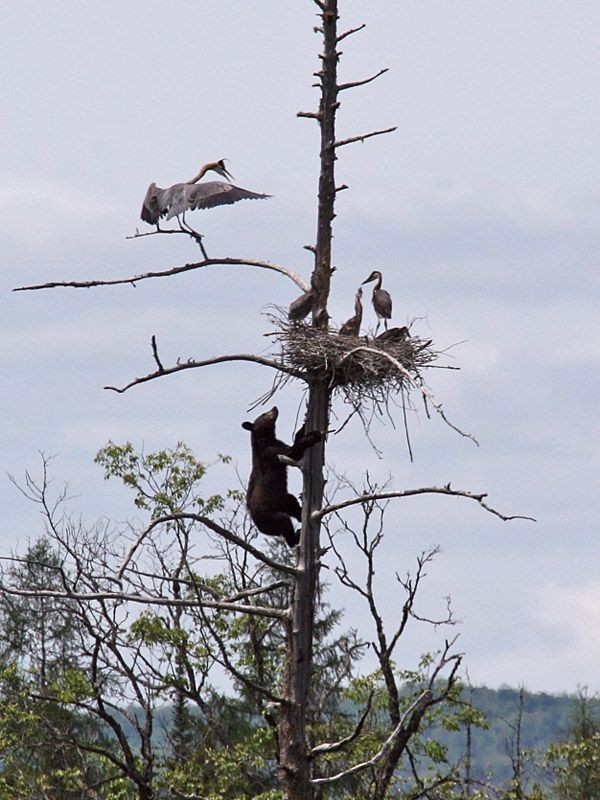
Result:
382,302
352,326
190,195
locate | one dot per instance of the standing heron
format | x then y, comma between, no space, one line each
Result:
190,195
382,302
352,326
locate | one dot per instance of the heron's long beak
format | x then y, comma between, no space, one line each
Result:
223,171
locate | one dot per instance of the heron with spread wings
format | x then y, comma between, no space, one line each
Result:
190,195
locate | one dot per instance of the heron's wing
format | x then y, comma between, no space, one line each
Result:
208,195
152,207
384,304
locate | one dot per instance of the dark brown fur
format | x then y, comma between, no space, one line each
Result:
268,501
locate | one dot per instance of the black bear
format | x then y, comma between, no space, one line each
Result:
268,501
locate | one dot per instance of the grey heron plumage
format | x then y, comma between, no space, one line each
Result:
352,326
382,301
190,195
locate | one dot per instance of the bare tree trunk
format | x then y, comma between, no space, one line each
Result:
295,763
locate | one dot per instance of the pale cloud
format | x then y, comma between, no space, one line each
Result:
39,212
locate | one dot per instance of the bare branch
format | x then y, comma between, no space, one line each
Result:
213,526
415,708
333,747
448,490
352,139
352,84
207,262
145,599
350,32
191,364
309,114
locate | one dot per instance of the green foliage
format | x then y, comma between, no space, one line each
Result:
575,762
164,482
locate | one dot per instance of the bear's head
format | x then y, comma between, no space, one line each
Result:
263,427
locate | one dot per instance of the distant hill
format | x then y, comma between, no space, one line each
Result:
546,718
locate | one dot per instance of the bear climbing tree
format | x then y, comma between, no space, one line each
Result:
269,502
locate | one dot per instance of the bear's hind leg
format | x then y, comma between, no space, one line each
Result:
277,523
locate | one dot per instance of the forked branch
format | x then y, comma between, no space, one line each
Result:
415,710
191,364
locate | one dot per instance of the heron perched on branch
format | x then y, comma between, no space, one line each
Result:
190,195
352,326
382,302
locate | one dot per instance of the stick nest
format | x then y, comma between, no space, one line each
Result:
362,368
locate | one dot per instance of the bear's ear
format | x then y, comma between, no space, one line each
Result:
248,426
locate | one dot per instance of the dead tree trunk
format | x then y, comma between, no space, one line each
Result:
295,763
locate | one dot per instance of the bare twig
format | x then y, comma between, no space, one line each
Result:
155,354
352,139
352,84
448,490
207,262
350,32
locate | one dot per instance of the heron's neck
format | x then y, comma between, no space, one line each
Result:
378,284
203,170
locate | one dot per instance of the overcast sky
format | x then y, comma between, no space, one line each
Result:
481,211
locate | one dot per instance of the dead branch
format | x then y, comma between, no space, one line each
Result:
191,364
448,490
207,262
145,599
213,526
334,747
415,708
353,84
352,139
350,32
186,230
